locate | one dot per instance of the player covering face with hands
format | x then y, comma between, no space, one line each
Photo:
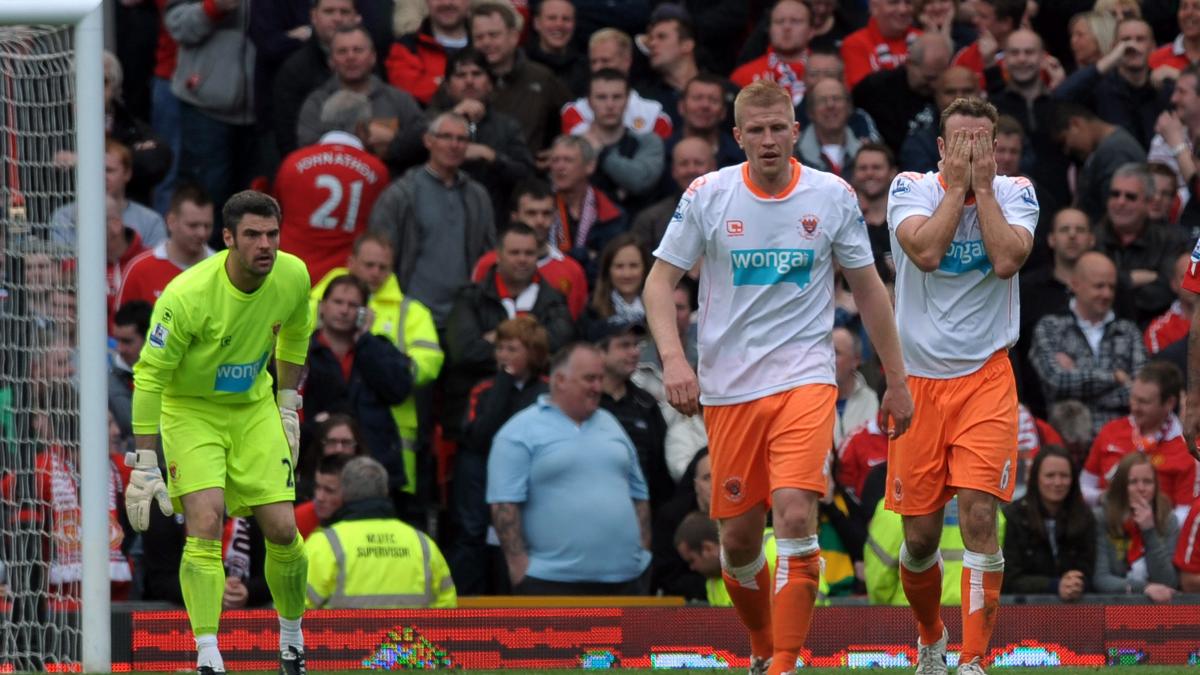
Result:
201,384
962,234
768,232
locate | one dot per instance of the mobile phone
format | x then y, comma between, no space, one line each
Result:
361,320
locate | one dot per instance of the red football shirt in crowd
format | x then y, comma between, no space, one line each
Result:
1172,54
1187,551
1166,449
788,74
147,275
861,452
115,273
556,269
866,51
326,191
1166,329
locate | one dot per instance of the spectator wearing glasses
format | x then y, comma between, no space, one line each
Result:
1144,255
439,236
335,434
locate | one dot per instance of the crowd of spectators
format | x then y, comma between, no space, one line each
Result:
476,187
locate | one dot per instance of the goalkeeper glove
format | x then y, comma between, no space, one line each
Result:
145,485
289,402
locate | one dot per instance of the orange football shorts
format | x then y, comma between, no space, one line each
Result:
759,446
963,435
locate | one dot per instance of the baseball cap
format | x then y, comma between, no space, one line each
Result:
614,326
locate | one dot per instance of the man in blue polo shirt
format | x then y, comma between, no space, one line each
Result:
568,499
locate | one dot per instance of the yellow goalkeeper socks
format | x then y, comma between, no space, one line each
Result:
286,570
202,580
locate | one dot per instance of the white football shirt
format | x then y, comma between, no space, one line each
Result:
766,285
954,318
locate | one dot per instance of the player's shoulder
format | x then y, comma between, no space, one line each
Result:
714,182
824,180
1015,187
291,268
913,182
197,279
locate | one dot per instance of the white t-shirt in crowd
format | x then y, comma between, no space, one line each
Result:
954,318
766,284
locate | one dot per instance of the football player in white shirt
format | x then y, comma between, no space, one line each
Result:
769,232
959,237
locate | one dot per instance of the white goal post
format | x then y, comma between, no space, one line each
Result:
84,18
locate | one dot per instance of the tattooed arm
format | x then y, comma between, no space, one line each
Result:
506,518
642,508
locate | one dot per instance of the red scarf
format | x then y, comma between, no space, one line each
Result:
1136,547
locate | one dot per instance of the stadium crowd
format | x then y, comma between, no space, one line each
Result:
476,189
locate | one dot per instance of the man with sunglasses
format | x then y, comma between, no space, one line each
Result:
1144,255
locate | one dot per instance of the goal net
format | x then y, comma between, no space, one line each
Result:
40,515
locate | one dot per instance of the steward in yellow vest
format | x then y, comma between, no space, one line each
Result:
369,558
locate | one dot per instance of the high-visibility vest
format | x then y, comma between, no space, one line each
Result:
881,555
380,563
408,325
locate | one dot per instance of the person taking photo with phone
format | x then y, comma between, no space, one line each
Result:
354,371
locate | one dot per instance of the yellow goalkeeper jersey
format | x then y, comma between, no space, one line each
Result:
210,340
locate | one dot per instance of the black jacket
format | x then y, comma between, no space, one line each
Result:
470,358
305,70
493,402
151,156
571,66
381,376
1042,155
1115,100
670,573
888,99
1157,249
1030,565
640,416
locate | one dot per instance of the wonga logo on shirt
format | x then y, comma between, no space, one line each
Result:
965,256
238,377
770,266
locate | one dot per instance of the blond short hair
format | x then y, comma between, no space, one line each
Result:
624,42
761,94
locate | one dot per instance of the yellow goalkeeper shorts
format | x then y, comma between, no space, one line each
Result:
239,448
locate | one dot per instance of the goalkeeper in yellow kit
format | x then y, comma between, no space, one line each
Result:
202,379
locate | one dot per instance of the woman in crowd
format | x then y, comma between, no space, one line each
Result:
1136,534
1050,536
337,434
624,264
1092,35
522,357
